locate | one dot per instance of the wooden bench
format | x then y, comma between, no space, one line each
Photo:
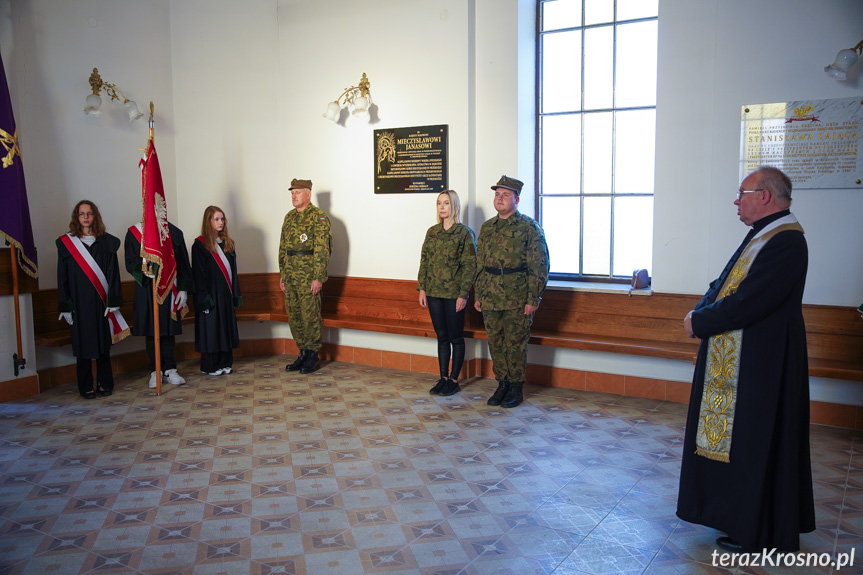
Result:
648,326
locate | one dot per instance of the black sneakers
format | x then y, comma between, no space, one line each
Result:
438,386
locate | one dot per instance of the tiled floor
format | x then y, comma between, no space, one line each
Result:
359,470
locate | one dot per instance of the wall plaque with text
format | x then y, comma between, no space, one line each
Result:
411,160
815,142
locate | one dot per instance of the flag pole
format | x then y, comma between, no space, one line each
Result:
156,329
18,360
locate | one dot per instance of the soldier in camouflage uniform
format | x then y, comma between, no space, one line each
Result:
447,269
512,262
304,253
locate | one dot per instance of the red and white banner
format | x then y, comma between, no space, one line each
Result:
156,246
118,325
175,293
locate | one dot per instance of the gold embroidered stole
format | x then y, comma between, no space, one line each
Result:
719,398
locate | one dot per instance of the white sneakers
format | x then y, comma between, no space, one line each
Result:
171,376
221,371
174,378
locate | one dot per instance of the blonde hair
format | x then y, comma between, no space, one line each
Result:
454,206
210,235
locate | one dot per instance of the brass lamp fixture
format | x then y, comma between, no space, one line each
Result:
844,60
356,99
94,102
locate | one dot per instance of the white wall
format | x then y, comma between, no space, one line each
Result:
239,89
225,65
715,57
49,50
414,54
69,156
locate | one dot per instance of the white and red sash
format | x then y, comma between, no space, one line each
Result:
175,292
222,262
119,327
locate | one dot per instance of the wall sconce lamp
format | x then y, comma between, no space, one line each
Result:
94,102
844,60
356,99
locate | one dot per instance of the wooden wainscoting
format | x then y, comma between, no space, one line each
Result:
614,323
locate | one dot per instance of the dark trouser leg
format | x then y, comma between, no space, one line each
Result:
104,373
226,359
167,343
438,313
455,328
151,352
209,362
84,369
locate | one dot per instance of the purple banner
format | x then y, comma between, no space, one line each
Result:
14,210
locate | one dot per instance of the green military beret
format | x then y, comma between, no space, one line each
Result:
295,183
509,184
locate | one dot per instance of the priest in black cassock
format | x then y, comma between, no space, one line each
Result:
746,469
171,311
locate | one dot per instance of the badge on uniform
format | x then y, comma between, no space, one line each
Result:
303,238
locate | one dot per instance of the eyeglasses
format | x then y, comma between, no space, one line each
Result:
741,193
85,214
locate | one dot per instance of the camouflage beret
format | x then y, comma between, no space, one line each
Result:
509,184
295,183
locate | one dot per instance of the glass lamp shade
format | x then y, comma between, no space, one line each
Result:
132,109
333,111
94,103
844,60
361,105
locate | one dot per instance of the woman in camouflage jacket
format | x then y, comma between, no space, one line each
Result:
447,271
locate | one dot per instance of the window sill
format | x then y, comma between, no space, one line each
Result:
597,287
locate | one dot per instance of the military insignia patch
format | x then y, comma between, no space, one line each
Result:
304,238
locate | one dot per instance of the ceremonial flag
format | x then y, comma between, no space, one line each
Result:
14,210
156,246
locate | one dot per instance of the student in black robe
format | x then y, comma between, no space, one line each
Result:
217,294
759,489
142,314
79,302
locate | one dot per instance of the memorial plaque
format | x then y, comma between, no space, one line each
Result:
411,160
815,142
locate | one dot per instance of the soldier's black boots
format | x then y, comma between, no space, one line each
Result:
311,364
499,393
513,395
298,363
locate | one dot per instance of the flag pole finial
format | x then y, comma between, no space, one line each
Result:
152,123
